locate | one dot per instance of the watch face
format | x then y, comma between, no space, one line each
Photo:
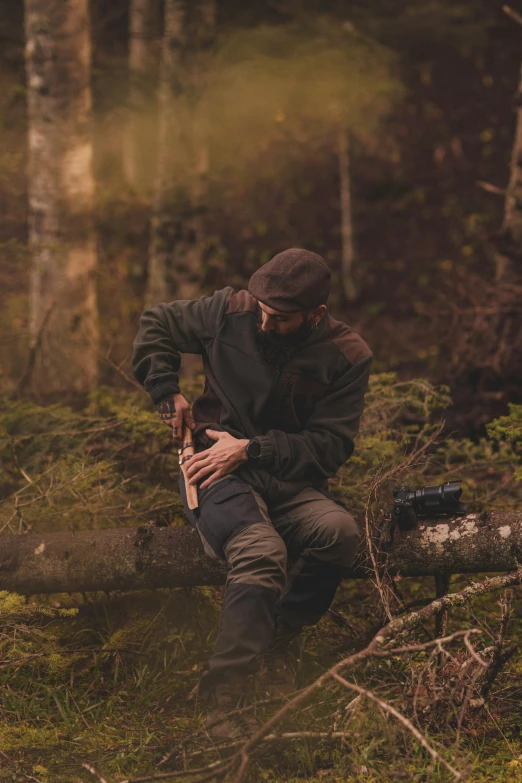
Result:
254,449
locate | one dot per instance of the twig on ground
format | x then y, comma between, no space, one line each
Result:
93,772
467,699
304,695
248,708
442,583
500,656
211,771
474,654
341,620
377,648
384,705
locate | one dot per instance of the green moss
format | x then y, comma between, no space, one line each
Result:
23,736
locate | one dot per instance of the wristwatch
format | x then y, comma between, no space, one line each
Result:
253,451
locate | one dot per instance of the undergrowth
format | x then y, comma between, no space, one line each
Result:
109,680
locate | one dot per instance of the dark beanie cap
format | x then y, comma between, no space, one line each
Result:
293,280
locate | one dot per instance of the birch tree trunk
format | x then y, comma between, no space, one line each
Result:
176,246
61,194
148,557
347,251
143,39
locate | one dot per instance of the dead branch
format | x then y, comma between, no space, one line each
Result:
489,188
380,646
93,772
152,557
118,368
217,768
378,573
384,705
413,620
442,582
36,344
512,14
500,656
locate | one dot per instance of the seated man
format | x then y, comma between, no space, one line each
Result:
284,393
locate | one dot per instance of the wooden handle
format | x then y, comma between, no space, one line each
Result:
186,451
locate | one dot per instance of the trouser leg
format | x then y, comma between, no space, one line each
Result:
257,560
322,538
311,591
234,526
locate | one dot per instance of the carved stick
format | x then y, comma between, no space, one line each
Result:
186,451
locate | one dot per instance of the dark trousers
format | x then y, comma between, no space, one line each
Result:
314,533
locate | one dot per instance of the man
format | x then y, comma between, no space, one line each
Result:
284,393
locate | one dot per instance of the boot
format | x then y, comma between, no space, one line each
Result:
280,680
245,629
223,720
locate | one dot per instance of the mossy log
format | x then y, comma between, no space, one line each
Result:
150,557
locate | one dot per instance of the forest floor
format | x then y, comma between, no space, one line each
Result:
110,680
120,712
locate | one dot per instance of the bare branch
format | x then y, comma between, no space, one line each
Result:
377,648
384,705
500,656
122,372
212,770
93,772
512,14
489,188
414,619
25,380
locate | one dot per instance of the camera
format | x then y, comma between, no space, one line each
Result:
442,500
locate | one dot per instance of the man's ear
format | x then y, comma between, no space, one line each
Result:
317,313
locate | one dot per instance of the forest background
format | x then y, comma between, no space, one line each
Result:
378,134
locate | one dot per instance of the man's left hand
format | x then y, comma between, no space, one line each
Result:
227,454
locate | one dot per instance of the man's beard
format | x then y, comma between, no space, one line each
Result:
276,349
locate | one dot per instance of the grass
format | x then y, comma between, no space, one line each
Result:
120,706
110,680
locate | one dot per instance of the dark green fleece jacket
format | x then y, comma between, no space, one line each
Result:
305,414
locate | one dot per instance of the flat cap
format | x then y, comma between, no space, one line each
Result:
293,280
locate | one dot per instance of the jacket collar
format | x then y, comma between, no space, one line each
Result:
323,327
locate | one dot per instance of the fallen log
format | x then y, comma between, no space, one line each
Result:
151,557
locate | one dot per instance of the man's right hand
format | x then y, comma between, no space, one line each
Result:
175,410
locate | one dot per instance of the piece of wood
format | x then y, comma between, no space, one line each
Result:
150,557
185,453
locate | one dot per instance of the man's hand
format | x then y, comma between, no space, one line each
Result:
220,460
174,411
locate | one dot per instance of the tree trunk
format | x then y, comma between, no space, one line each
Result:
347,252
148,557
508,247
61,194
176,248
143,39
